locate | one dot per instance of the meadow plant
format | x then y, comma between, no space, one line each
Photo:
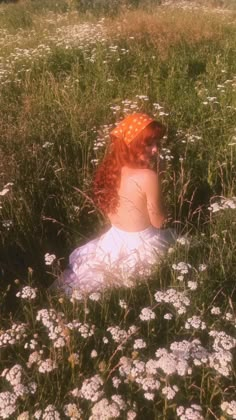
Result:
162,345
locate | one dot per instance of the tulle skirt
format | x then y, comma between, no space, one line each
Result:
113,259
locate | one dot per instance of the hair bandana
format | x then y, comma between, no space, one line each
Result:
131,126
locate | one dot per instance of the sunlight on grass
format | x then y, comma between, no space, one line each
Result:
163,348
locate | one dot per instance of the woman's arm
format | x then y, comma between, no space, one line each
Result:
154,200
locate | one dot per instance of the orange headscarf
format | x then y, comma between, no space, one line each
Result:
131,126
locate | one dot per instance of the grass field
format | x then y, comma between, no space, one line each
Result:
162,348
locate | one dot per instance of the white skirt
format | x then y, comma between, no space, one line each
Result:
111,259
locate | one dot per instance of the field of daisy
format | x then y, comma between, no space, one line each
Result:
160,347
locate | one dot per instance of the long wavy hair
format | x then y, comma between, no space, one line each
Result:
108,175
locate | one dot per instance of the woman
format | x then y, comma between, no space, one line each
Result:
127,190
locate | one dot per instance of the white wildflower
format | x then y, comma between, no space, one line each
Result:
183,267
192,413
32,387
123,304
93,354
192,285
137,370
28,293
116,382
95,296
195,322
215,310
46,366
228,316
20,390
76,295
149,396
118,335
222,341
229,408
150,384
119,401
73,411
13,335
75,392
182,240
151,367
221,362
49,258
131,415
105,410
31,345
168,316
147,314
50,413
170,364
139,344
202,267
170,392
92,388
34,357
38,414
7,404
178,299
13,375
125,366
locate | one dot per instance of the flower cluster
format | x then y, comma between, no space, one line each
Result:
229,408
85,330
96,296
49,258
53,321
14,377
46,366
215,310
170,363
105,409
147,314
139,344
182,267
195,322
92,388
13,335
194,412
50,413
76,296
223,204
222,341
178,299
221,358
73,411
182,240
170,392
7,404
28,293
190,350
119,335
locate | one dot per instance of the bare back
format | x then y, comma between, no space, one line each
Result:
134,212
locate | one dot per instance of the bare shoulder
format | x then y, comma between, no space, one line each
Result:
149,176
144,177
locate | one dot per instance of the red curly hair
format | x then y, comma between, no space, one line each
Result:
108,175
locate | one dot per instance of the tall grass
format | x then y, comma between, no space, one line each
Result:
65,78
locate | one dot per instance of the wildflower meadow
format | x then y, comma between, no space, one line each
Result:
160,346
